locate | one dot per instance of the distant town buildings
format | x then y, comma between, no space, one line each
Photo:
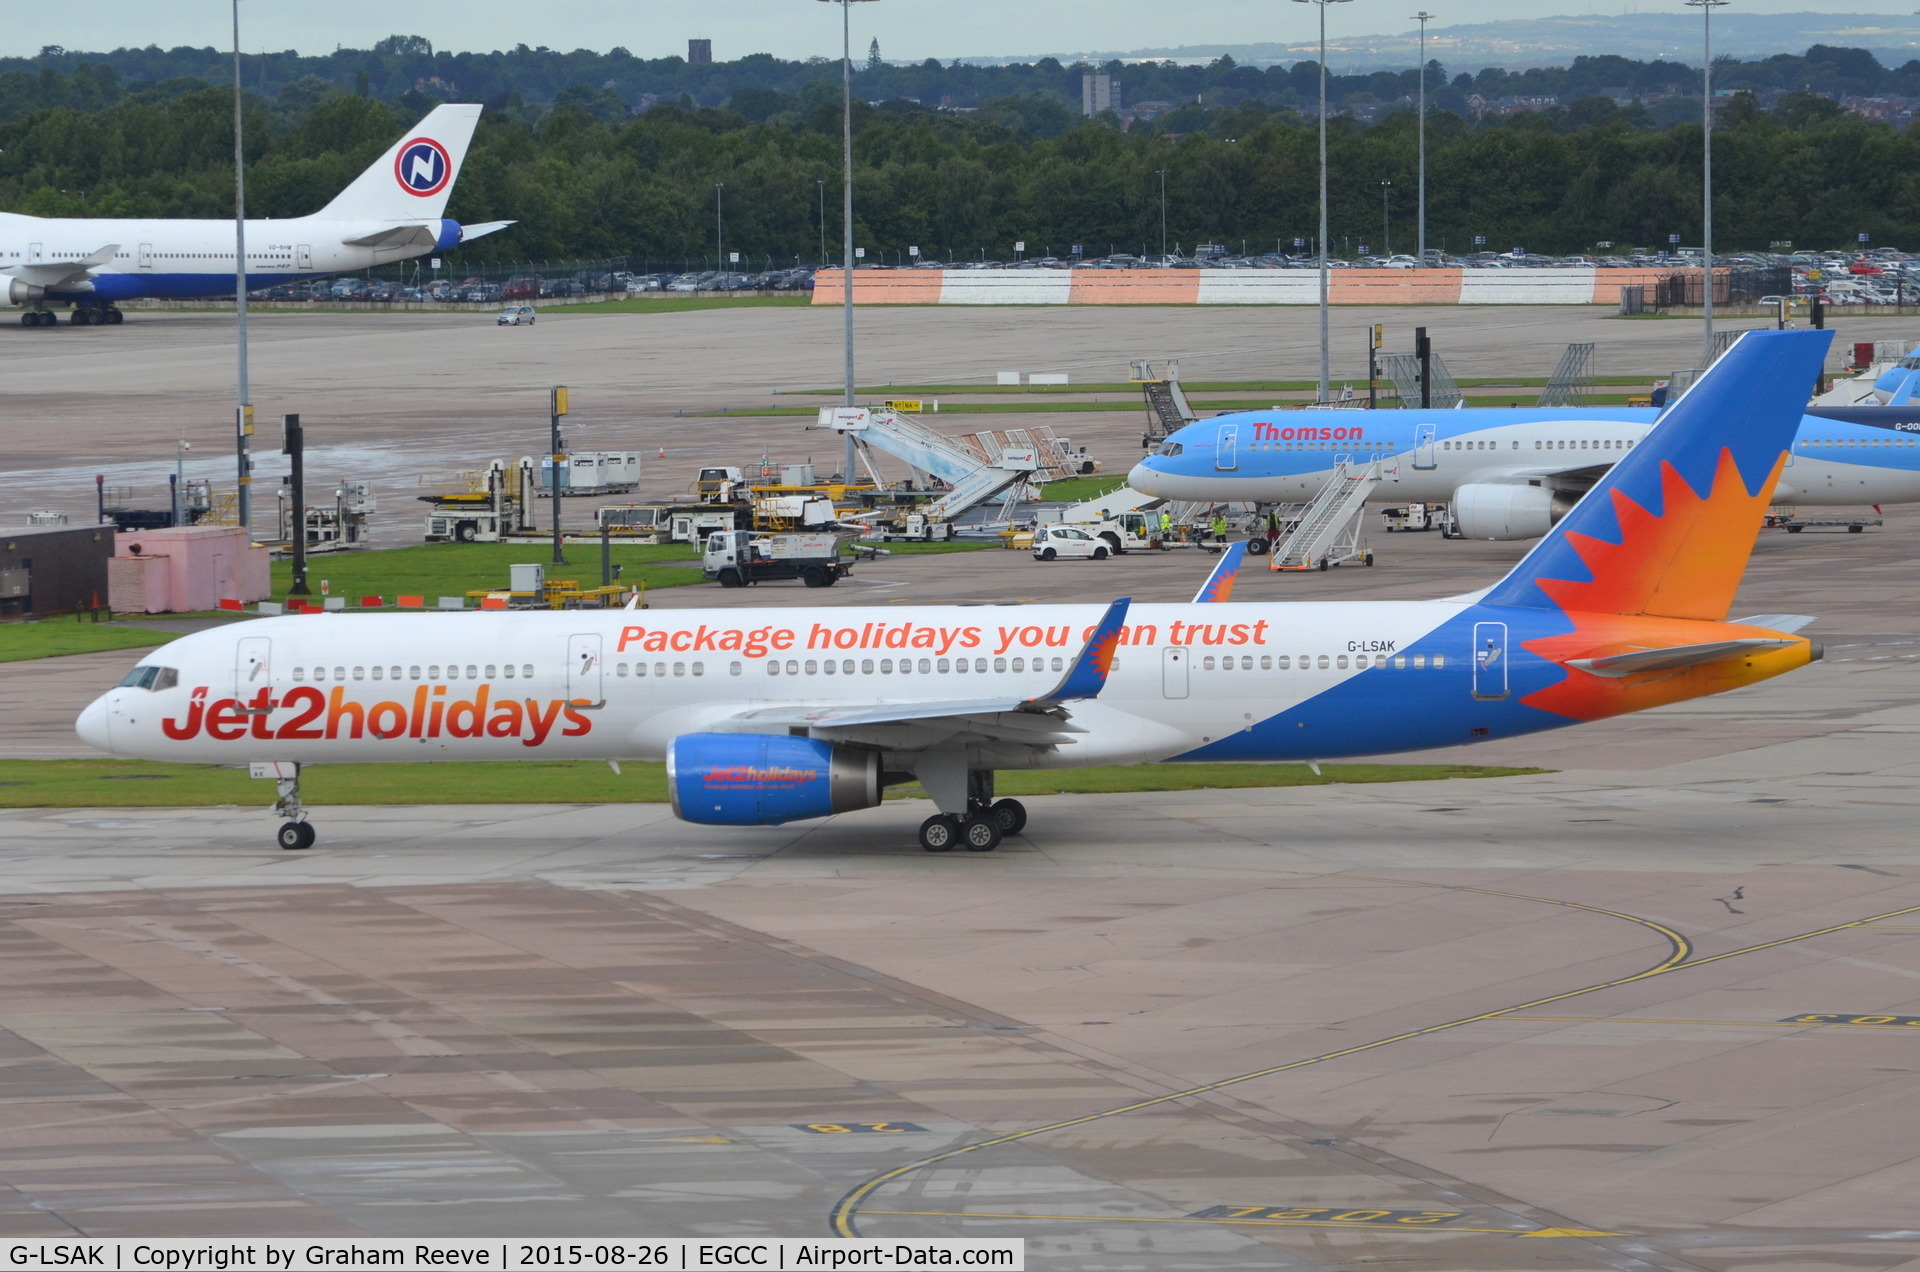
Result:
699,52
1098,93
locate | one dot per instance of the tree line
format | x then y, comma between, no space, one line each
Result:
1021,167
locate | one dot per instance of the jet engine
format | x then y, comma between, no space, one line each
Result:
764,779
1488,510
22,293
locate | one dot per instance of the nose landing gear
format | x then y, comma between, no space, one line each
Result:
296,832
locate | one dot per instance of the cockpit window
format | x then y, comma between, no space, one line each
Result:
1171,449
153,678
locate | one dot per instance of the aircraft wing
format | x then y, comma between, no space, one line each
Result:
53,274
1042,720
1678,657
468,233
1573,477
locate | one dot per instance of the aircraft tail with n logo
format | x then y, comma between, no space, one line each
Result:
412,180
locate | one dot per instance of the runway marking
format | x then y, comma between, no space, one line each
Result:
1832,1021
842,1217
858,1128
1260,1223
1330,1214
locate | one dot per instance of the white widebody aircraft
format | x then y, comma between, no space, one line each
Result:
393,211
772,715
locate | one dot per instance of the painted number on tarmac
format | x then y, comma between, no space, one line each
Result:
857,1128
1327,1214
1845,1018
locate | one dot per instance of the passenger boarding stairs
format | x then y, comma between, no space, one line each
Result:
971,481
1328,532
1167,408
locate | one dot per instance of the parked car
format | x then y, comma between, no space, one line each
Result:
515,316
1051,543
522,287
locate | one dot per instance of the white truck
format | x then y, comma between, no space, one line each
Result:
738,558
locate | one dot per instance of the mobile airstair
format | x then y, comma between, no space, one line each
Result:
1328,532
970,479
1167,408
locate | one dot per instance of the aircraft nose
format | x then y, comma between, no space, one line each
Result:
92,725
1141,478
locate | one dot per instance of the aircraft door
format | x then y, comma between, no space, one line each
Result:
252,666
1226,449
585,682
1173,671
303,256
1489,660
36,253
146,256
1423,446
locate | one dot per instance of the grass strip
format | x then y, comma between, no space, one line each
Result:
453,569
57,637
1190,386
675,303
145,784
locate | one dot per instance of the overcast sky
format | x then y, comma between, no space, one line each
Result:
907,29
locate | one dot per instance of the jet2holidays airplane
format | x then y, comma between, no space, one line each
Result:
391,212
775,715
1508,474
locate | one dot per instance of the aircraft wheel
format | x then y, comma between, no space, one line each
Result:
295,835
1256,547
115,317
1048,554
981,834
28,318
1010,815
80,317
938,833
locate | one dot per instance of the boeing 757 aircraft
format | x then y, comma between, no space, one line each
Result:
775,715
1506,474
391,212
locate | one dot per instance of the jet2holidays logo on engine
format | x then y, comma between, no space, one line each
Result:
423,167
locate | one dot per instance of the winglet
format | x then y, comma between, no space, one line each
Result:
1219,585
1088,675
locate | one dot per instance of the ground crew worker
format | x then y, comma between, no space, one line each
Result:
1166,525
1220,526
1273,526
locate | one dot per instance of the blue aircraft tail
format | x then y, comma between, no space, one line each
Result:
1669,529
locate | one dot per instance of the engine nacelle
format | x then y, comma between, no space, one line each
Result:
22,293
1486,510
764,779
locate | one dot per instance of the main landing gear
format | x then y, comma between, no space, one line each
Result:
82,316
296,832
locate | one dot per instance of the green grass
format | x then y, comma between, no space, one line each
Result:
676,302
454,569
54,637
995,408
936,549
142,784
1528,399
1081,489
884,391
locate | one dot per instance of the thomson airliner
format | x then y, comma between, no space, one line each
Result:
1506,474
391,212
775,715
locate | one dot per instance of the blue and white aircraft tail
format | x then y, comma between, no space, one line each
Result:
393,211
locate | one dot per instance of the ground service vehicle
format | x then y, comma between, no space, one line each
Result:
736,558
766,716
1051,543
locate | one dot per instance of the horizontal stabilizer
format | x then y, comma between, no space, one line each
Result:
396,236
1777,622
1678,657
468,233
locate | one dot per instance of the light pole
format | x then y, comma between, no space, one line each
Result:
1386,219
1706,8
846,204
821,182
1324,353
1163,216
1423,17
180,450
719,230
243,414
